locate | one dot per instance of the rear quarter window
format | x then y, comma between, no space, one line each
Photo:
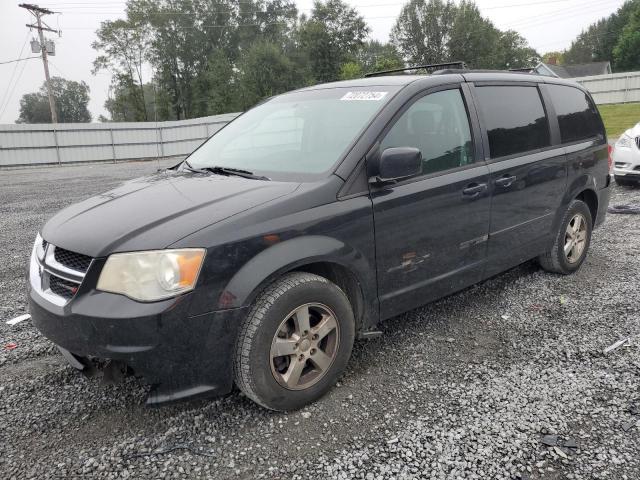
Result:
577,115
514,118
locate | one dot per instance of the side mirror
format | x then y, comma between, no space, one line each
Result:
398,163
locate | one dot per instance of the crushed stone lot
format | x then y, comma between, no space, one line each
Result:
506,379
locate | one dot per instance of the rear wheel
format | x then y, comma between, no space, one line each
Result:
295,342
572,241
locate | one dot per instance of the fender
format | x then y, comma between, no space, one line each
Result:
282,257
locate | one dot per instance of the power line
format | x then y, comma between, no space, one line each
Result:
10,92
18,60
549,16
73,10
13,73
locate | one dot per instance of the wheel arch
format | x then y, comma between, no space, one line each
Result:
324,256
589,197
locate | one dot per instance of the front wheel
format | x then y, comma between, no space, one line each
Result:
295,342
572,240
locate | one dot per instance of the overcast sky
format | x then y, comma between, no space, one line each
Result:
546,24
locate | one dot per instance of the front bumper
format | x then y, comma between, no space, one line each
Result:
626,161
180,355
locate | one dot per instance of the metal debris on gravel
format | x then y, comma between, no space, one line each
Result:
525,360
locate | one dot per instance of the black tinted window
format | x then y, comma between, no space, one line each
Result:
577,116
514,119
438,126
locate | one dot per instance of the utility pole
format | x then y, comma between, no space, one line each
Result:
39,12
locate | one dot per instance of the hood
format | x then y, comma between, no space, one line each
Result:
154,212
634,132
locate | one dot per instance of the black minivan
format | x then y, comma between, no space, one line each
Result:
312,217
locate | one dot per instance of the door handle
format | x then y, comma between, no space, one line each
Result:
505,181
474,190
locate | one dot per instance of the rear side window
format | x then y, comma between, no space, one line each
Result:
514,118
577,116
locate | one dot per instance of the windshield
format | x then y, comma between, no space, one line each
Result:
296,133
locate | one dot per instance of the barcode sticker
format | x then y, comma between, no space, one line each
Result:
364,96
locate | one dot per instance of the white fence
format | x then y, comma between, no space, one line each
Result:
613,88
43,144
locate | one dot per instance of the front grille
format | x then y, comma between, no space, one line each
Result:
62,287
638,141
44,244
621,164
73,260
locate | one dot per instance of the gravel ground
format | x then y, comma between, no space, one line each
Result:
507,379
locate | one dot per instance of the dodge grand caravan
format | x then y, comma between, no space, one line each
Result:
312,217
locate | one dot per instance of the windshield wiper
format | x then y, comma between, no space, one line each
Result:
223,171
187,166
234,171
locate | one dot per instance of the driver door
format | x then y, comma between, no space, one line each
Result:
431,230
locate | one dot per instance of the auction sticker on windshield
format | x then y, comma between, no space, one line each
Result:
371,96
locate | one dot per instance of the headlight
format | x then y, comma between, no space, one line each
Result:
625,141
38,247
154,275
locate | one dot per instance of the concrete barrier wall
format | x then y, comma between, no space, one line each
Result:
65,143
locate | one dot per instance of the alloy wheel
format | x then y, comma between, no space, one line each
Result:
575,238
304,346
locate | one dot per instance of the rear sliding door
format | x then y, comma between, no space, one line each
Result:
528,174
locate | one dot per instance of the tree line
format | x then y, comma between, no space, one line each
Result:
177,59
217,56
615,38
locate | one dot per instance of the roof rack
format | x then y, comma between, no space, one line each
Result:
431,67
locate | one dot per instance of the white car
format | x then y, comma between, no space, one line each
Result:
626,157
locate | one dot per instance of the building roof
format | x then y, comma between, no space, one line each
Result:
574,71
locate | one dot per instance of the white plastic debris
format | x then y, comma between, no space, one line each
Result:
559,452
18,319
619,343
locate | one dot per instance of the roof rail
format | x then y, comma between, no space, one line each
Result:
431,67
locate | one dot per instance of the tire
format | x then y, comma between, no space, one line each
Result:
272,349
556,260
623,182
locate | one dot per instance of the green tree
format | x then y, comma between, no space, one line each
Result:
375,56
474,39
331,36
599,40
71,98
350,70
556,56
263,72
123,46
422,31
435,31
121,106
626,53
514,52
215,87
